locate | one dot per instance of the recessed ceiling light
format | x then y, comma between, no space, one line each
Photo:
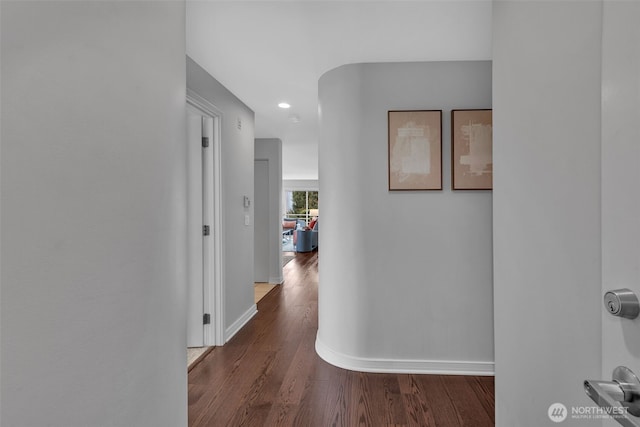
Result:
284,105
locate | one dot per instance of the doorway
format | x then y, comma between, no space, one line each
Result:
205,309
301,209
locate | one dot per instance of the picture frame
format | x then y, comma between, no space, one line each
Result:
415,150
472,149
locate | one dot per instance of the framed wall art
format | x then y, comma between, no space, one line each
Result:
472,149
415,150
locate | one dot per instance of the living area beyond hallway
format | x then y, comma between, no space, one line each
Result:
269,374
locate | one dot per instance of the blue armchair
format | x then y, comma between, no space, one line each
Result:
306,240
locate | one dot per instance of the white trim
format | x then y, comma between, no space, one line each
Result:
402,366
201,103
238,324
215,335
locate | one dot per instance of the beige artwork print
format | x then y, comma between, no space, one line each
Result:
414,150
473,149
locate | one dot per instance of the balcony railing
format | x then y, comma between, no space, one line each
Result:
306,217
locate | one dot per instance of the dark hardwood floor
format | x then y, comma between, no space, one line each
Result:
270,375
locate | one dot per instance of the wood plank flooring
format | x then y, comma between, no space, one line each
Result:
261,289
270,375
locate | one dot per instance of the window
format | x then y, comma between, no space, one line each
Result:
300,202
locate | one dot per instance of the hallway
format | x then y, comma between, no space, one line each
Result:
270,375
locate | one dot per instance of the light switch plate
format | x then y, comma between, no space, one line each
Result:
246,220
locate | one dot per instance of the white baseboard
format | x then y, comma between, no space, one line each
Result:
238,324
276,280
403,366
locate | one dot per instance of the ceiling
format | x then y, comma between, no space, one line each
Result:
266,52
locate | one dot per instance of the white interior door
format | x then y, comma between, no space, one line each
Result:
205,253
195,238
620,181
621,177
208,243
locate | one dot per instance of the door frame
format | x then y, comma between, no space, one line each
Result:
213,289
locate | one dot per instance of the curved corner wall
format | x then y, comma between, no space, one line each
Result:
405,277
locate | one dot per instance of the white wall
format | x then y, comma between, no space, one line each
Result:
93,214
270,149
300,184
261,223
237,182
405,277
546,100
300,157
